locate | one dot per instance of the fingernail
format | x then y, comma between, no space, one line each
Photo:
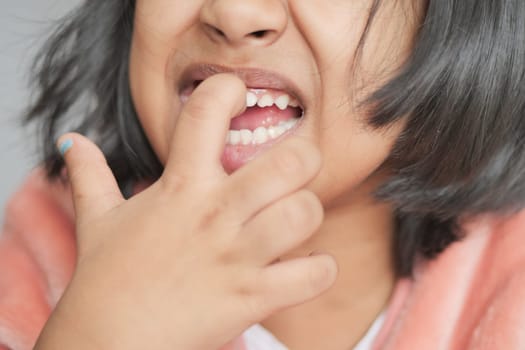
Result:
65,146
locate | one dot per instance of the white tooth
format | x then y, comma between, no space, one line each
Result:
260,135
293,103
273,132
265,101
279,130
282,102
234,137
289,124
251,99
246,136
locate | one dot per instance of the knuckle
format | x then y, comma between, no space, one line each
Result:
229,257
257,305
288,162
249,290
216,215
79,169
304,211
209,217
246,286
79,196
298,158
320,276
171,183
197,109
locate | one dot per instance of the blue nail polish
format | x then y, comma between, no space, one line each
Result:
65,146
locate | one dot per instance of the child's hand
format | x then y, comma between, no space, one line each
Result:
187,264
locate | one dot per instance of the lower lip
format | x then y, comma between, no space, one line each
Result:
235,156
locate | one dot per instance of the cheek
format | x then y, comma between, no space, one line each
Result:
157,32
153,95
351,155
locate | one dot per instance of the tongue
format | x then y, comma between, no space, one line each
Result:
255,117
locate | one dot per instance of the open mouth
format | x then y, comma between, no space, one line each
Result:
273,111
269,114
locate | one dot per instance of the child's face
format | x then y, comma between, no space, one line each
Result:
310,43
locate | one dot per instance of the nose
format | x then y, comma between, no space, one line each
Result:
244,22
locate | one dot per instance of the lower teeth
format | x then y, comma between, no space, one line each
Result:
259,135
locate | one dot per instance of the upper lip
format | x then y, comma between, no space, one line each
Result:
252,77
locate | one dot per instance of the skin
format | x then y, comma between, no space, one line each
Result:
251,245
313,43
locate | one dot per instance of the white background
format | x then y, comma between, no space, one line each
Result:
23,28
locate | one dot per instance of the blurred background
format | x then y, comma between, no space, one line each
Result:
23,27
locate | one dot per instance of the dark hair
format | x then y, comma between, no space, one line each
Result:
81,76
461,93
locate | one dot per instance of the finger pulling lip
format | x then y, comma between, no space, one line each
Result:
275,111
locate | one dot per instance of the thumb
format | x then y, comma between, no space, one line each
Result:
95,190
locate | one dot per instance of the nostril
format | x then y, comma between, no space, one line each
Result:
214,30
219,32
259,34
196,83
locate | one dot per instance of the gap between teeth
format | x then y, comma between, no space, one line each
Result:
282,102
259,135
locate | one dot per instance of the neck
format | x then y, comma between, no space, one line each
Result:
357,232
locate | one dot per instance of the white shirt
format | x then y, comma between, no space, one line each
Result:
258,338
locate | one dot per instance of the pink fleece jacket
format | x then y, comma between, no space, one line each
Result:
471,297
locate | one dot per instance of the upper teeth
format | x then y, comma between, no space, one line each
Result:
265,100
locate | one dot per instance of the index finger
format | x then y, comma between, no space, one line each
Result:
201,128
